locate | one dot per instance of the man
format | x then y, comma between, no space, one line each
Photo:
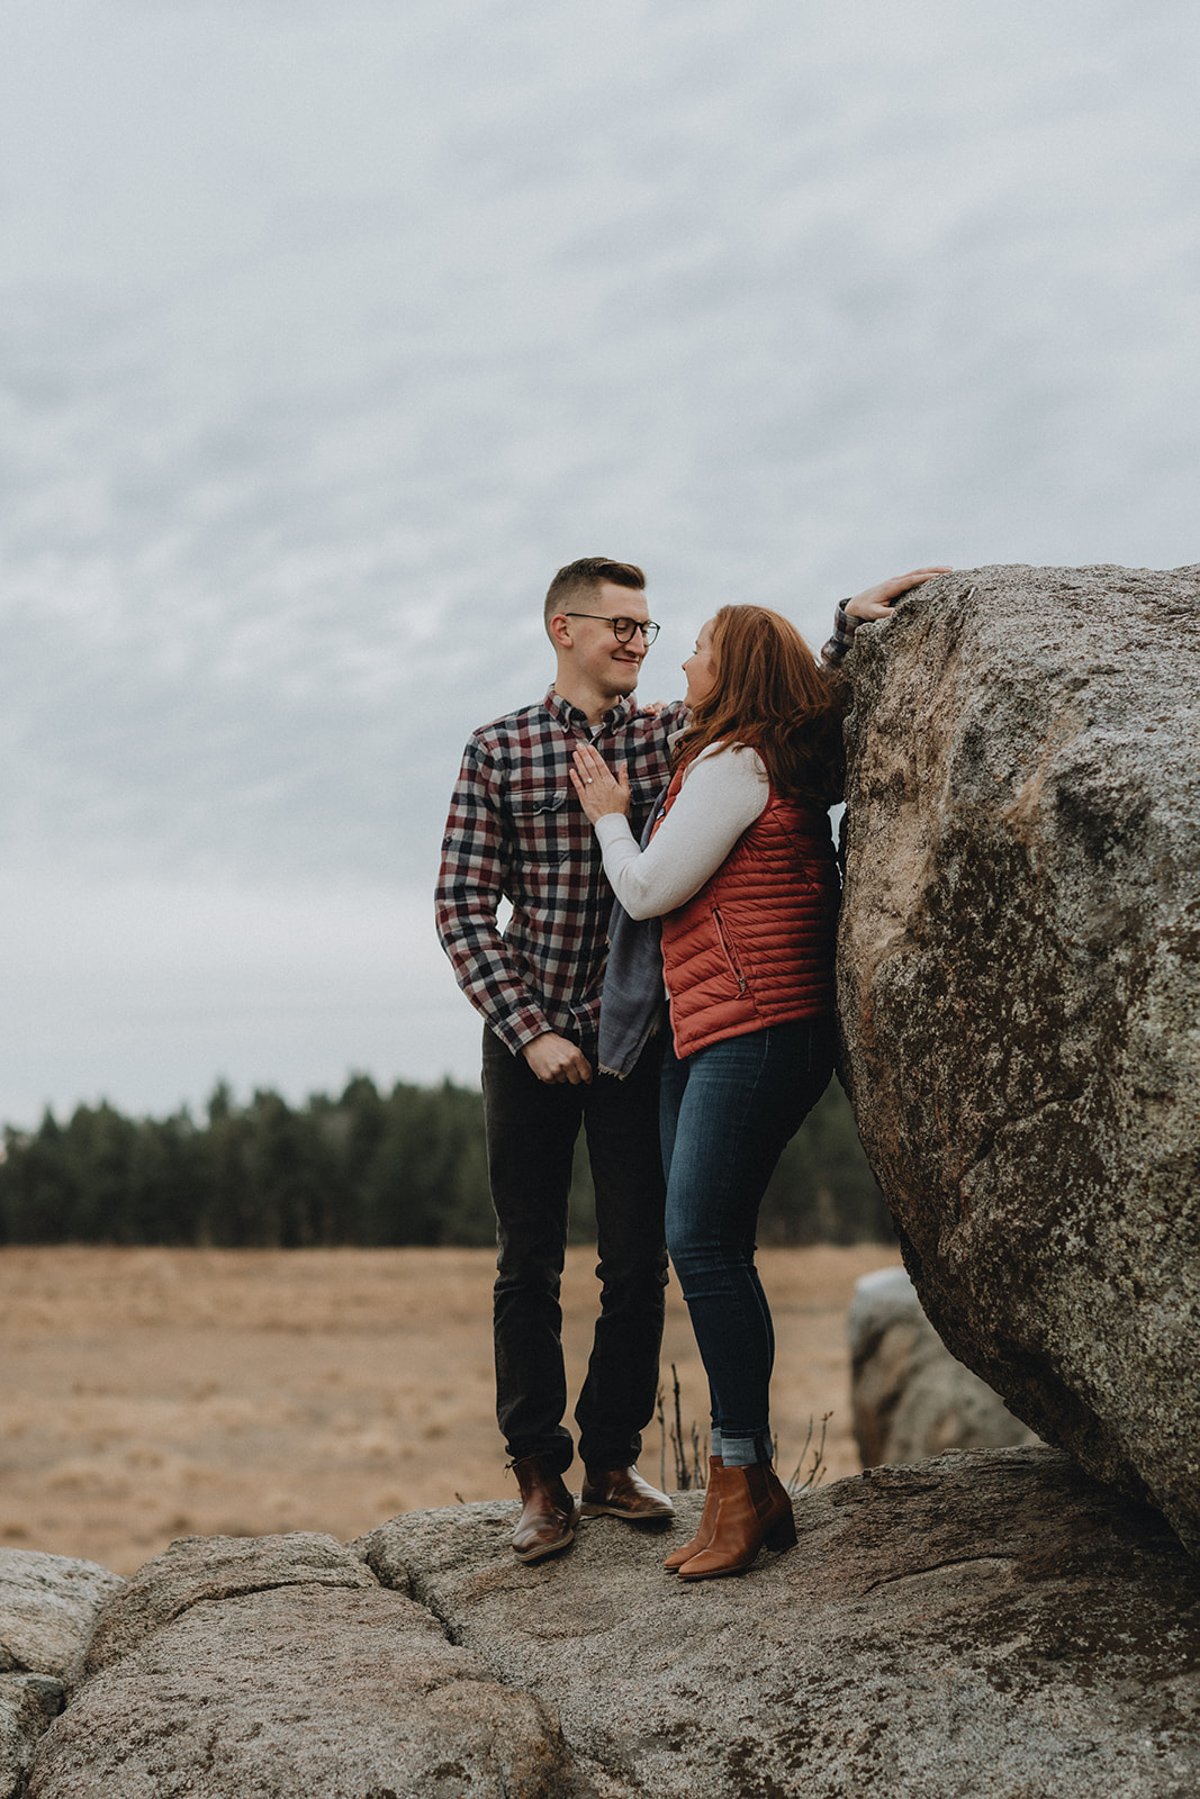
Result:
515,832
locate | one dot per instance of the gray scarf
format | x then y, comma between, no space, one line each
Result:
632,996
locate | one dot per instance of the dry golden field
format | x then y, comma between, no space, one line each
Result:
149,1393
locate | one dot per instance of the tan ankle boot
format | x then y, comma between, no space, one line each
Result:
753,1508
708,1518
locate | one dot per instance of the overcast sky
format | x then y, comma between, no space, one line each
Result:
329,332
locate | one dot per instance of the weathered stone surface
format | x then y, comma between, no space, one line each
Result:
1019,989
911,1398
299,1692
28,1704
48,1607
989,1623
195,1569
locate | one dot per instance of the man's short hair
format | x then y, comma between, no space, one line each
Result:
580,578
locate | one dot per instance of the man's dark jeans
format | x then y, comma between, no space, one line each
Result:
531,1132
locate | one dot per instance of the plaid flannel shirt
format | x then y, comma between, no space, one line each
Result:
516,832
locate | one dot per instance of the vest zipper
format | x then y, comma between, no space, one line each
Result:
738,976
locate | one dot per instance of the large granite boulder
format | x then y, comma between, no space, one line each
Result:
29,1704
909,1397
278,1667
1019,990
48,1609
196,1569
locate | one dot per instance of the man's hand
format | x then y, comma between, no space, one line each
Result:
877,601
598,792
556,1059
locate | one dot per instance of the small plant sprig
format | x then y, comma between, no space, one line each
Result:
689,1452
817,1470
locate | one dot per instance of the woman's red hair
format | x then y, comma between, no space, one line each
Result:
771,692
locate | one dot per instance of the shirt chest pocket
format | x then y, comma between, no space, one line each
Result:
642,795
540,822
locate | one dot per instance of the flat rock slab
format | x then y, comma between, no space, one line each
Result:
988,1624
48,1609
299,1692
29,1703
195,1569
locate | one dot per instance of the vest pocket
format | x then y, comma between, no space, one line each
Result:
732,960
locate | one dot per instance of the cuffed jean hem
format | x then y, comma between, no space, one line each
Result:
744,1452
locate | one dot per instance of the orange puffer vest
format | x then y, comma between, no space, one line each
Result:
755,946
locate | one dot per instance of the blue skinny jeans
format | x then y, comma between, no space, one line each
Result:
726,1114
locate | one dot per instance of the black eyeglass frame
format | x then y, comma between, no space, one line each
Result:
623,628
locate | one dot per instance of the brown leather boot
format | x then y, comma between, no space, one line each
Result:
547,1521
708,1519
753,1508
622,1493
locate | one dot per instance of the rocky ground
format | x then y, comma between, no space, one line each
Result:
990,1623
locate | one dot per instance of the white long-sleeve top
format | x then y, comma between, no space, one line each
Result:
722,793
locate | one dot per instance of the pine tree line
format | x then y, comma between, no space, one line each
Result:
367,1168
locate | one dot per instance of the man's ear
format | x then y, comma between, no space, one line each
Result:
559,627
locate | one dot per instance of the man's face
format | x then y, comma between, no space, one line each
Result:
594,652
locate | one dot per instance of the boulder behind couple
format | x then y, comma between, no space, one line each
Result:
1019,991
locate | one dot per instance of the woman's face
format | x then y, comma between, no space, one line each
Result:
700,668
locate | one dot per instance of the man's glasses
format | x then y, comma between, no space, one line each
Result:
623,628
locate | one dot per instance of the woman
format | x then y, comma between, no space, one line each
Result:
741,870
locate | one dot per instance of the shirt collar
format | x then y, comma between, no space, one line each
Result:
572,719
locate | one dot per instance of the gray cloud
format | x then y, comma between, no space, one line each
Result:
327,336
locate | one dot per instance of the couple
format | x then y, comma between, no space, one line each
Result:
714,1041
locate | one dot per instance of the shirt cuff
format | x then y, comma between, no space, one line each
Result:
844,627
520,1027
